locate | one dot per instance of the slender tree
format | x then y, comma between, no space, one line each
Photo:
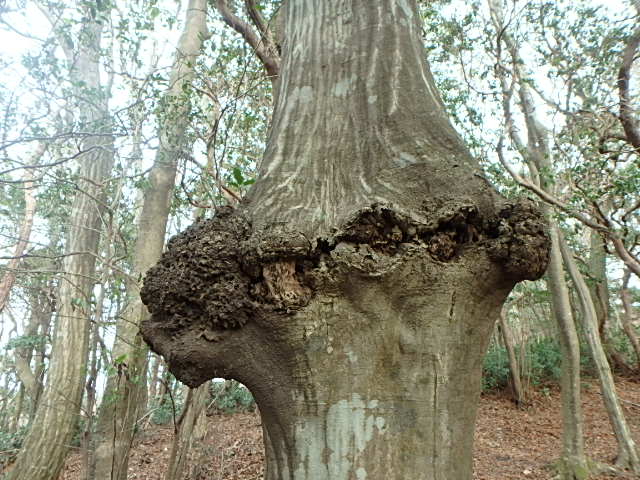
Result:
122,401
9,277
193,413
56,418
537,154
627,317
514,368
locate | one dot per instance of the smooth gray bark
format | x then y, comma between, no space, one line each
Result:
628,317
573,463
192,415
514,368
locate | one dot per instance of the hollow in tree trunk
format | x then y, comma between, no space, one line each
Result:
355,290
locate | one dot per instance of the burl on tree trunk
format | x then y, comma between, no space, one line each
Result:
355,290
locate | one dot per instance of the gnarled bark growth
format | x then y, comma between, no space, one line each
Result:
355,291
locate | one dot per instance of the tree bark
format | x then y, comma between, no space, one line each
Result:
193,413
153,382
599,290
355,291
125,392
56,418
573,464
514,368
627,450
627,317
24,233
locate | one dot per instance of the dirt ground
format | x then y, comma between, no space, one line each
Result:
511,443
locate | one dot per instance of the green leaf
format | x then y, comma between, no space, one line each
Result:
120,360
237,175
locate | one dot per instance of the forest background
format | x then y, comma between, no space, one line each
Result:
122,122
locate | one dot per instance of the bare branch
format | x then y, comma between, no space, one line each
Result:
263,47
627,120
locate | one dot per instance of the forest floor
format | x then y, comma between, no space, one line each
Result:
510,444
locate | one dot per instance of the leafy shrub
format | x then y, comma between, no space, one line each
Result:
541,365
10,444
163,411
543,361
620,341
495,370
232,397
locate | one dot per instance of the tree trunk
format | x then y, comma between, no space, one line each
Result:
573,464
122,404
627,451
88,439
355,291
599,290
8,279
514,368
153,382
627,317
17,413
194,408
56,418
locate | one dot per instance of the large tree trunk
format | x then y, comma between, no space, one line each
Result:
124,395
56,418
356,291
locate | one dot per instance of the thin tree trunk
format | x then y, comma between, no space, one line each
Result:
573,463
627,451
194,408
627,317
514,368
24,234
599,290
92,378
124,394
46,445
153,382
17,413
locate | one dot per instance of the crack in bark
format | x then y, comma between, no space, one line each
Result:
453,303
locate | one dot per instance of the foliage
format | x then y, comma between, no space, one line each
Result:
495,369
10,443
165,410
620,342
542,364
232,397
